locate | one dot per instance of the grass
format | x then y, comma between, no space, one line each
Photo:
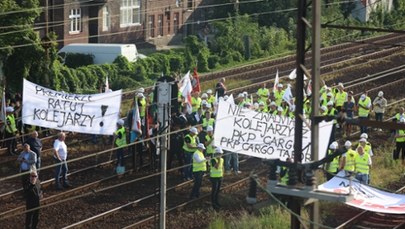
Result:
272,217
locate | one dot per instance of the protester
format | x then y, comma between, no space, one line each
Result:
133,124
199,167
362,165
216,175
27,160
379,103
35,144
364,108
32,194
120,141
60,156
332,167
189,147
11,131
348,159
400,143
220,88
349,108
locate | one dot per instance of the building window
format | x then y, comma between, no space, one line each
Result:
106,19
130,13
176,23
151,26
75,21
190,4
160,24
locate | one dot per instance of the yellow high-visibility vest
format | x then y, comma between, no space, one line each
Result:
361,163
217,172
199,166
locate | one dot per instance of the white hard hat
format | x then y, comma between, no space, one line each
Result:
280,109
204,102
330,103
273,104
219,150
333,145
209,91
279,85
120,122
193,130
141,90
324,108
241,95
261,103
201,146
9,109
256,105
362,140
210,128
364,135
140,95
363,97
329,94
348,144
245,93
204,96
380,94
341,85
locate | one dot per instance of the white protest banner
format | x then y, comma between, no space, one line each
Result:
366,197
263,135
93,114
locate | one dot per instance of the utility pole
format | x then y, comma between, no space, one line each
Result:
164,107
316,76
295,203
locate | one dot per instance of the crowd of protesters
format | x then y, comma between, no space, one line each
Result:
192,136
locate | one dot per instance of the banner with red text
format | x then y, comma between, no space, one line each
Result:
365,197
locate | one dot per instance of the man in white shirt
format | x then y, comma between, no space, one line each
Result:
60,156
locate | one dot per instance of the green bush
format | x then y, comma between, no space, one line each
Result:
213,61
123,63
75,60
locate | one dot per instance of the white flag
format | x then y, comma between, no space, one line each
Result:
288,95
186,89
293,75
136,118
276,81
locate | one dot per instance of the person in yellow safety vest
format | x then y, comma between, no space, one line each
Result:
246,97
209,141
278,94
199,167
366,144
11,131
240,100
208,120
120,141
142,104
332,167
329,98
211,98
323,110
340,98
216,175
332,112
195,102
291,111
273,108
189,147
362,164
401,114
280,111
347,159
307,109
262,107
263,94
400,143
284,172
364,108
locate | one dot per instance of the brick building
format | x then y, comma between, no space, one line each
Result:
143,22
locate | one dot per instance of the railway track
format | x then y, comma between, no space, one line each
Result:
354,85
